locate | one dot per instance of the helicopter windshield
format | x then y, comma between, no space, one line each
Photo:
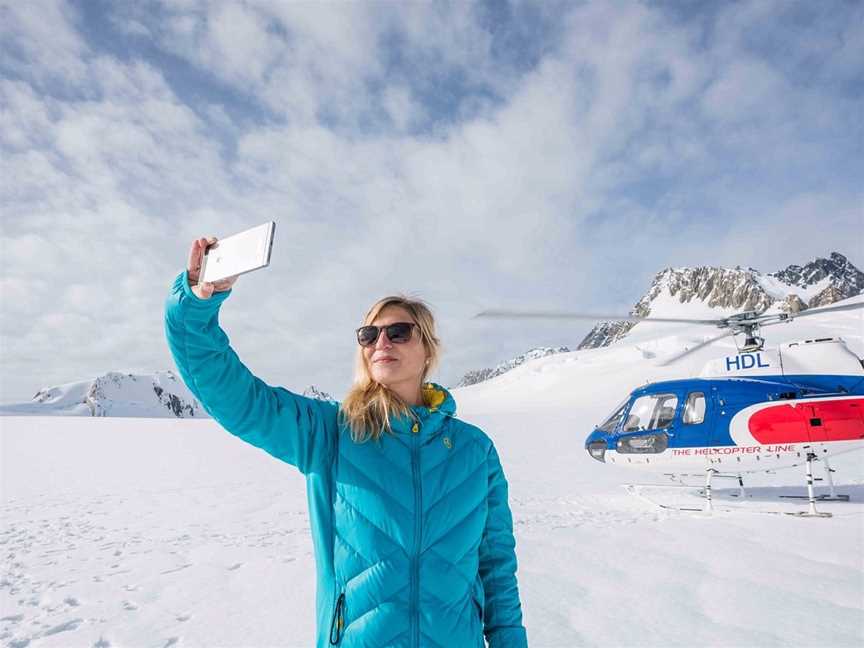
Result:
651,412
611,422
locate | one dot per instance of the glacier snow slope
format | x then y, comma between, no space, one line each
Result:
155,532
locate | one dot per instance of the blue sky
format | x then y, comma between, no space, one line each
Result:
548,154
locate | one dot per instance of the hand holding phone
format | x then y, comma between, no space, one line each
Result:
214,266
204,290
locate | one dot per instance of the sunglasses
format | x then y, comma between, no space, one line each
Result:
398,333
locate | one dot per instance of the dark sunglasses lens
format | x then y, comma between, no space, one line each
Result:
367,335
399,332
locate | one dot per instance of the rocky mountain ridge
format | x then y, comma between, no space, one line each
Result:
818,283
313,392
159,394
115,393
844,279
479,375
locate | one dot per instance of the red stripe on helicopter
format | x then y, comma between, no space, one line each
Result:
828,420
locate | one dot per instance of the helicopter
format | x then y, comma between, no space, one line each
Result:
756,410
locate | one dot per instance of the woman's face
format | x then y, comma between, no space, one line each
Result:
395,364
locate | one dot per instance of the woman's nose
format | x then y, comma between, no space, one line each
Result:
383,342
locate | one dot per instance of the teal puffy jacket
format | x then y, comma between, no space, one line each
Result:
413,534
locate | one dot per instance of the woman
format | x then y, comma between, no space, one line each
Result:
411,526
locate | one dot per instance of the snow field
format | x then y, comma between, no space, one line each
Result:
171,532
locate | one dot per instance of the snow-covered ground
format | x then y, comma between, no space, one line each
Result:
161,532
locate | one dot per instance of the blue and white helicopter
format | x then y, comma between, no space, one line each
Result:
753,411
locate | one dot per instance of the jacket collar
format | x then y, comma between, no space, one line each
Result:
438,404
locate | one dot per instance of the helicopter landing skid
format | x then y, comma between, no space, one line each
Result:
636,490
825,497
819,498
811,497
708,507
706,492
821,514
706,510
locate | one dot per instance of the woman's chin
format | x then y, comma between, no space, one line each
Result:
388,378
385,377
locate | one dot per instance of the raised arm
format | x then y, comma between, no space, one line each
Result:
503,611
296,429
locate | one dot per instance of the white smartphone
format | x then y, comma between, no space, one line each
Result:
238,254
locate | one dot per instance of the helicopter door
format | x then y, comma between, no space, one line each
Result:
816,423
651,418
693,429
835,420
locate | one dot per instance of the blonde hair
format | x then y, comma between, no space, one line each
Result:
369,405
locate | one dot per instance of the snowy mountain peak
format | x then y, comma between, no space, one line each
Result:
698,291
119,393
733,288
314,392
115,393
479,375
835,277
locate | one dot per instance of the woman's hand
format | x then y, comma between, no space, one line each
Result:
196,257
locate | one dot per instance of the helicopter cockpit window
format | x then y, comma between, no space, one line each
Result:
694,408
651,412
611,423
664,413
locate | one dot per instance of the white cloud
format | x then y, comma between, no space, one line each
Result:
745,89
24,117
634,142
404,110
43,38
239,43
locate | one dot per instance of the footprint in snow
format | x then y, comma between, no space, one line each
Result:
184,617
63,627
102,643
176,569
173,641
235,566
129,605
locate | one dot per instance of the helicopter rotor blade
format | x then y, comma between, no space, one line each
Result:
520,314
775,322
843,307
701,345
829,309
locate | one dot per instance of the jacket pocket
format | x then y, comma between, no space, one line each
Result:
477,606
338,620
478,594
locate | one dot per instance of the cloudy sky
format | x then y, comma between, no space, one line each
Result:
544,154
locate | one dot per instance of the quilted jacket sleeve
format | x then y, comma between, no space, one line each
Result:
293,428
503,611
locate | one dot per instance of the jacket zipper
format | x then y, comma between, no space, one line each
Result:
415,572
338,613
